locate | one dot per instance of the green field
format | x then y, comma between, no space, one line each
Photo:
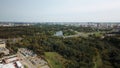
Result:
98,34
54,59
98,61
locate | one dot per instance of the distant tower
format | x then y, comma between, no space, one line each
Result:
98,25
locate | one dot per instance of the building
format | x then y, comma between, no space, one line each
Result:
2,44
58,33
9,65
27,52
11,62
3,48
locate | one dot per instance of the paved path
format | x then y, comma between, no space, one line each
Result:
77,35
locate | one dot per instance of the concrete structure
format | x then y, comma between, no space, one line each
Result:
10,65
2,44
3,48
19,65
30,59
11,62
27,52
58,33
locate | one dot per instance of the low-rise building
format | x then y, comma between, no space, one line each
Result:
27,52
3,48
2,44
59,33
11,62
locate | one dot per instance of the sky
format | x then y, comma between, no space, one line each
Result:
60,10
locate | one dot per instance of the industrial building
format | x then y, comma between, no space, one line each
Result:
11,62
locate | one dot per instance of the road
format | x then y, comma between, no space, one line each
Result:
82,34
77,35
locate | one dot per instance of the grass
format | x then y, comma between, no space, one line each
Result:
98,34
25,66
55,60
98,61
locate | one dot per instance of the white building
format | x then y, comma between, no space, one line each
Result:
59,33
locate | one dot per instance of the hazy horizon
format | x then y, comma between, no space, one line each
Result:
59,11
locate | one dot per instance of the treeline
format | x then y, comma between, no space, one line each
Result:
80,52
20,31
